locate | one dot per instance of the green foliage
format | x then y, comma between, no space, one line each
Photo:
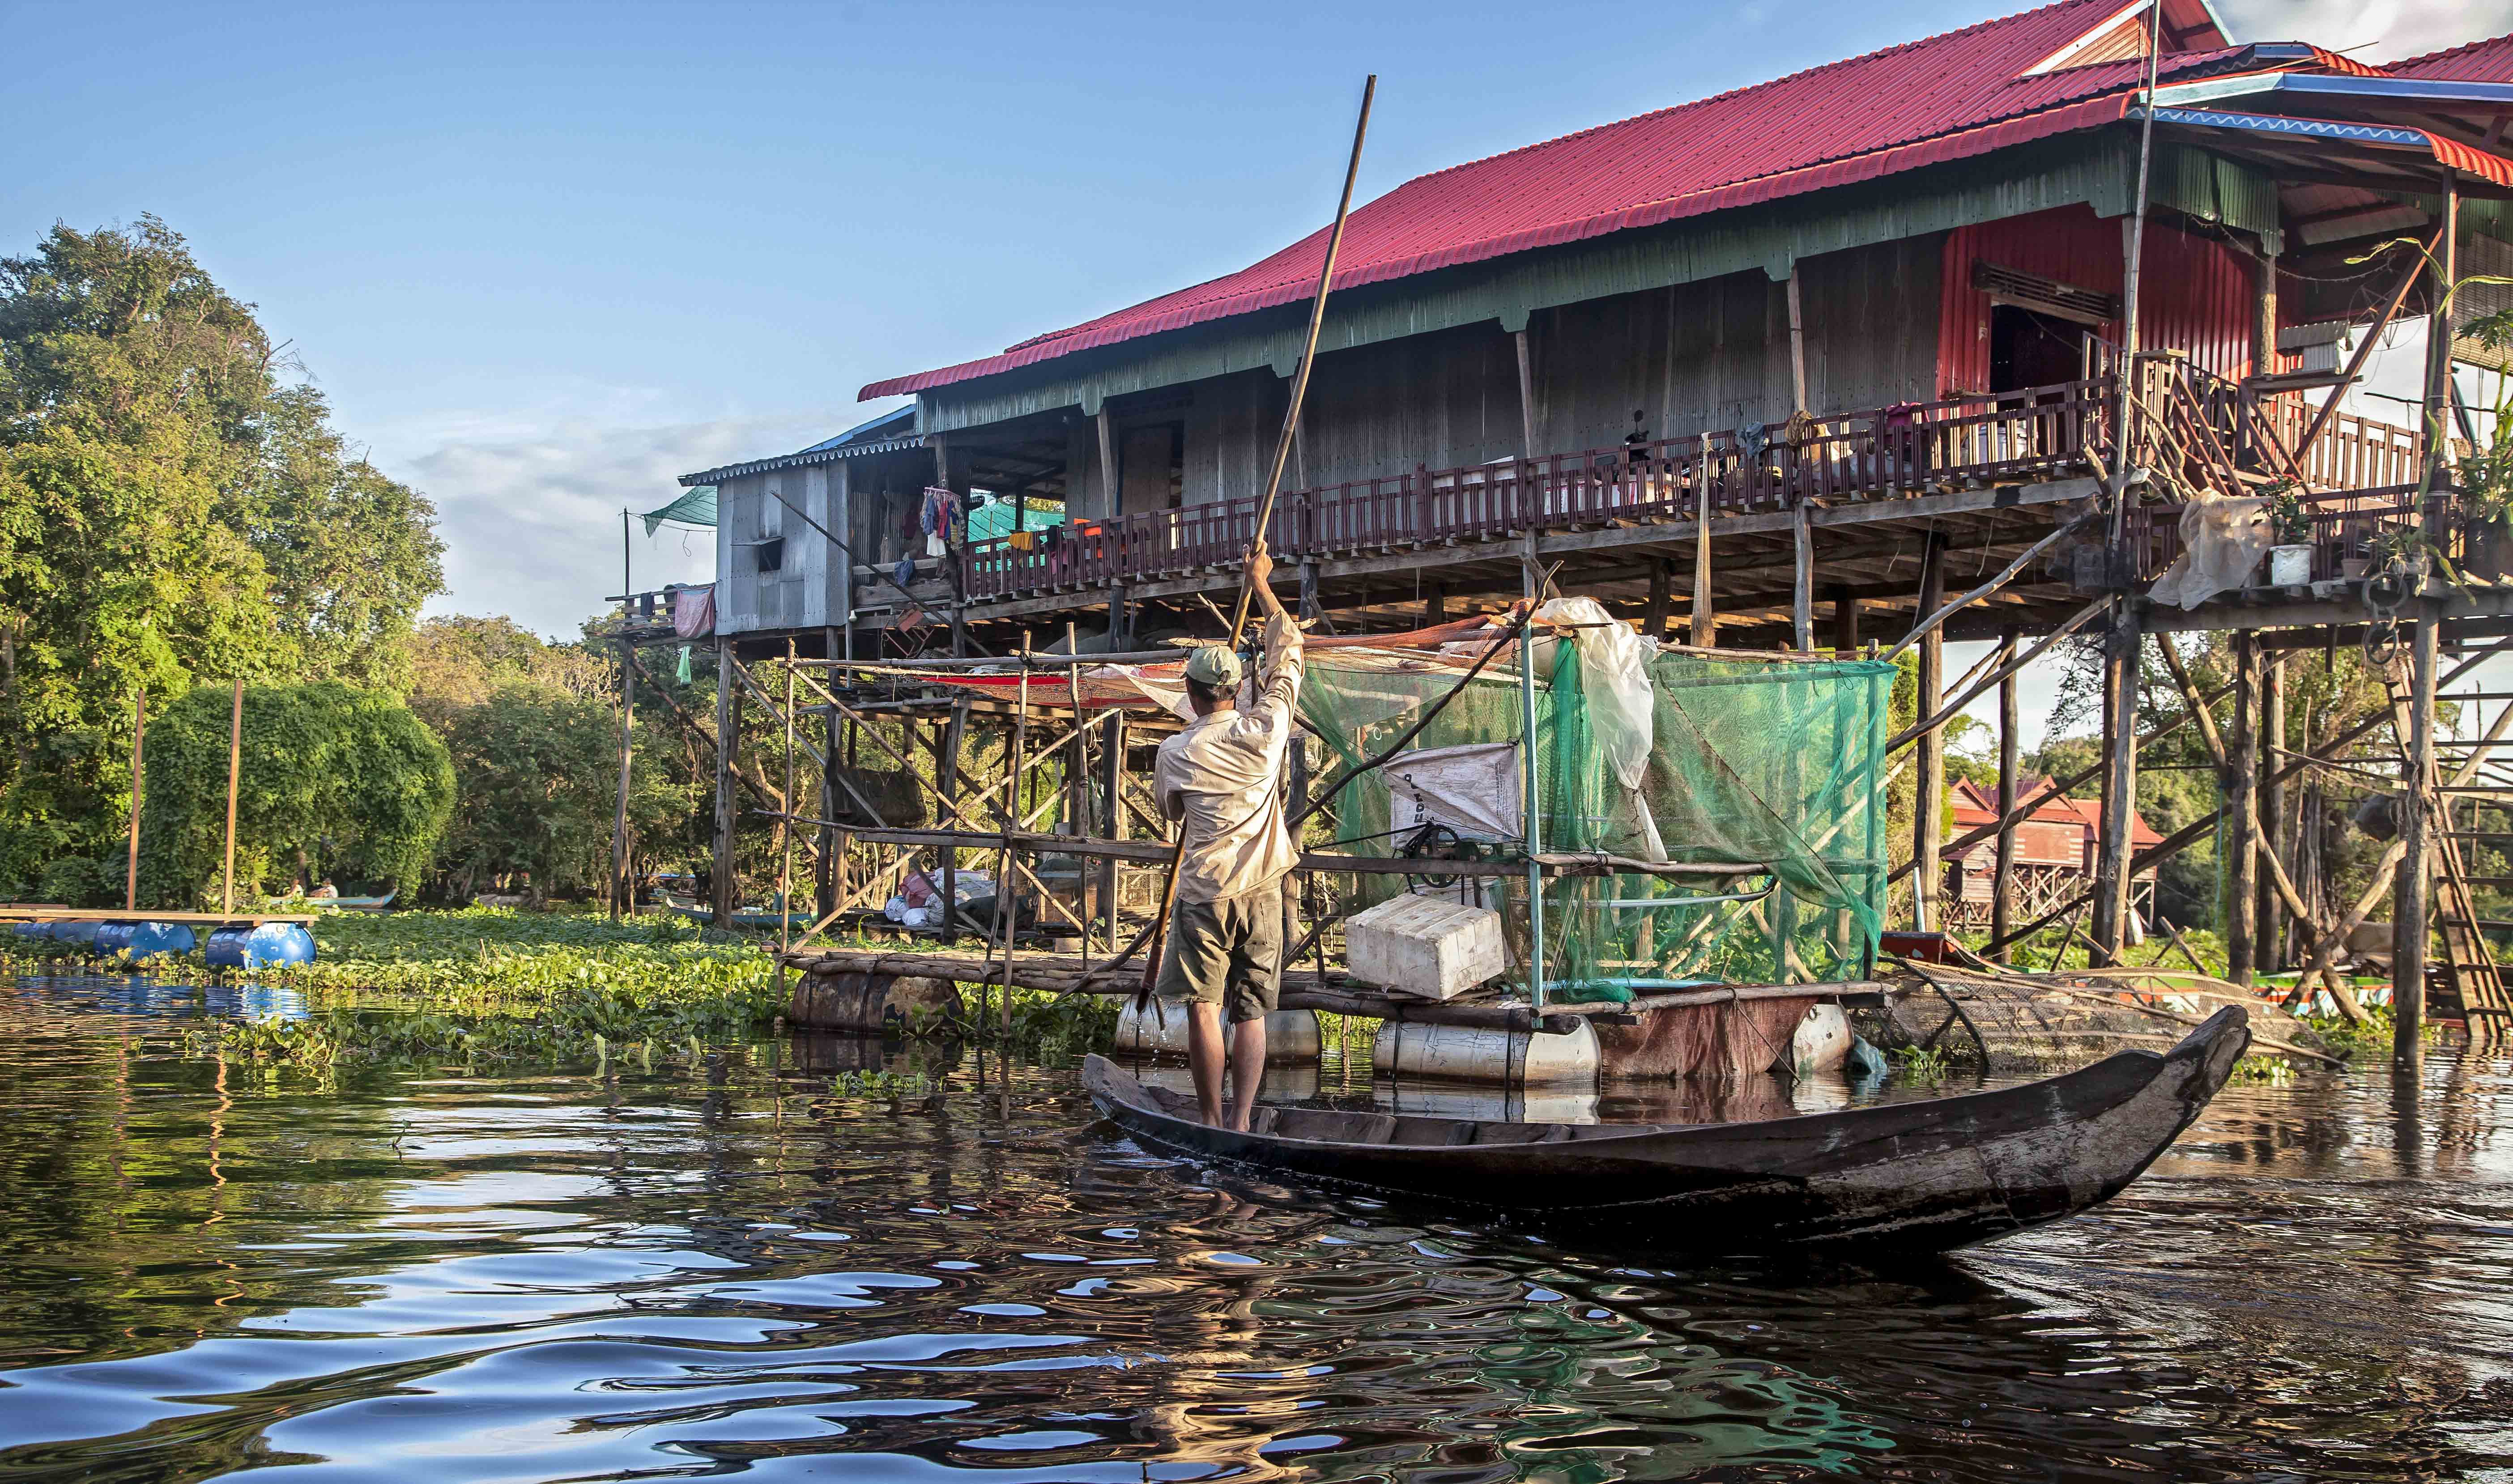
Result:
170,510
334,782
2368,1041
539,775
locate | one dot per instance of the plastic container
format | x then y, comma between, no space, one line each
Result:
2290,566
259,946
1488,1054
141,942
1291,1035
73,931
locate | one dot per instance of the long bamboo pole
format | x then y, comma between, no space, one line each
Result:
1309,352
235,770
1274,479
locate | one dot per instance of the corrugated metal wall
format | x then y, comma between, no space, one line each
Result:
1696,358
799,593
2196,293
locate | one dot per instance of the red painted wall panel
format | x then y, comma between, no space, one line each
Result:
2196,294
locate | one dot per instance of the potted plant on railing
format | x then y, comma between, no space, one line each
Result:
2483,503
2290,532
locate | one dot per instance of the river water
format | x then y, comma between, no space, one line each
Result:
439,1273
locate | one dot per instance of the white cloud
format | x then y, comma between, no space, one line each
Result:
530,523
2394,28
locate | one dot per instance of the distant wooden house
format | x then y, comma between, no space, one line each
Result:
2054,853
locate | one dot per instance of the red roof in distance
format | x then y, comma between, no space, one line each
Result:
1751,143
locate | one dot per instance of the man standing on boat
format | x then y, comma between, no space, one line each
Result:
1221,779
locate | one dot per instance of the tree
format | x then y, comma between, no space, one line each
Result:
539,770
335,783
170,510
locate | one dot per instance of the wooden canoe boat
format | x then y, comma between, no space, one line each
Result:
1923,1176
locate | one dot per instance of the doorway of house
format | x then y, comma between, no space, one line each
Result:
2031,348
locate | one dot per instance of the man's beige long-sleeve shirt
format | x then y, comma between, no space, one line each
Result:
1222,777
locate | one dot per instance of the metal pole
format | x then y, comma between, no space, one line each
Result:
235,768
138,730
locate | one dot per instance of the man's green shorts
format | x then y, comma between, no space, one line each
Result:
1227,952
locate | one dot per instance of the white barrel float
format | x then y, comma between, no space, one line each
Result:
1821,1042
1487,1053
869,1004
1291,1035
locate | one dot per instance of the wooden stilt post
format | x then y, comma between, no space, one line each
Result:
1110,494
1435,606
138,733
1928,825
954,733
727,744
1112,803
1845,622
1705,623
1797,345
2002,880
2112,859
2239,843
622,894
2409,917
2268,933
235,769
785,825
1077,784
1661,578
1526,394
830,878
2413,886
1801,607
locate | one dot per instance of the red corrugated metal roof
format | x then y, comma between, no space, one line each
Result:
2487,62
1947,96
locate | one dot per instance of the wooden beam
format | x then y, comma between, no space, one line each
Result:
1929,830
1706,625
2114,870
2002,880
1802,594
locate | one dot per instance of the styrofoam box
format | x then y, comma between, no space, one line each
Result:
1425,947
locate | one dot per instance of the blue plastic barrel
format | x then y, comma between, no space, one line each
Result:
34,930
75,932
252,947
143,940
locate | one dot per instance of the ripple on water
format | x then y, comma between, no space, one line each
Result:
543,1277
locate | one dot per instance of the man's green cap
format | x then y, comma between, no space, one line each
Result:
1216,666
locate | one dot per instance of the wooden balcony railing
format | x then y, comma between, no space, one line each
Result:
1892,452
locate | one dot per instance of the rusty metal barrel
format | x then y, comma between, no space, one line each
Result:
869,1004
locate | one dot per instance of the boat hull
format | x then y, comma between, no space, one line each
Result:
1926,1175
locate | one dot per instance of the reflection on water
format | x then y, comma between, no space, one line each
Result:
441,1274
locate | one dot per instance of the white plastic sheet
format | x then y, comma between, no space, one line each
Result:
1622,703
2222,539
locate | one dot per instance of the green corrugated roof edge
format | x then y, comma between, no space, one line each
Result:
695,509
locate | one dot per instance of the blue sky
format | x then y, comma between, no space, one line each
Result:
544,257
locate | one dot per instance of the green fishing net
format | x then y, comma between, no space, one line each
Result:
1773,764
